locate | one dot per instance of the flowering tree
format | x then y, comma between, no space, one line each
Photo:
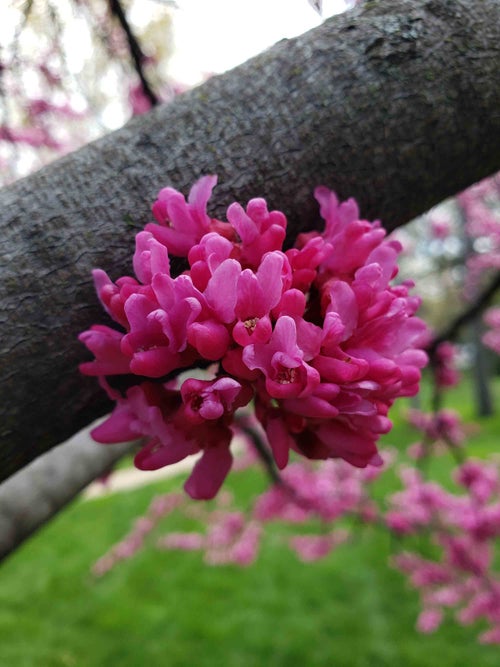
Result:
363,104
54,98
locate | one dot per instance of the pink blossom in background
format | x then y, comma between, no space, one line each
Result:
36,137
465,528
310,548
429,620
444,362
479,207
492,337
138,100
444,425
440,228
40,106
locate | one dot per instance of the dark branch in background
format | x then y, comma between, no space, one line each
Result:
317,5
480,302
135,50
5,109
271,469
262,450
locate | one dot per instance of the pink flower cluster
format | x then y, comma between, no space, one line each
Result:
464,528
444,363
492,337
438,428
230,538
330,491
160,507
479,207
317,336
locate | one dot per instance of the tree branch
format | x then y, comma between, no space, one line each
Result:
34,495
134,48
475,309
263,452
395,103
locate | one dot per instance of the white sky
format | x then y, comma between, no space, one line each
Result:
212,36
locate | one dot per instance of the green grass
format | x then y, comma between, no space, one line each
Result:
169,609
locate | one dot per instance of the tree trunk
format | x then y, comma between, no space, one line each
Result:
481,370
394,103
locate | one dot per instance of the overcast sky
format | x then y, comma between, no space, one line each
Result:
214,35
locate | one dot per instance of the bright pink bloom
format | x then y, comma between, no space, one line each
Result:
150,258
205,257
105,344
318,335
260,231
211,399
257,294
152,351
182,224
282,362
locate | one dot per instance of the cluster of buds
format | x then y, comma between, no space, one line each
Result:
318,337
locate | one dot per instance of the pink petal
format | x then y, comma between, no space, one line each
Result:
221,290
200,193
157,455
209,472
120,426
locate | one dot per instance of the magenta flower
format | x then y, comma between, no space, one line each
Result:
205,257
282,362
150,257
260,231
182,224
211,399
257,294
105,344
319,336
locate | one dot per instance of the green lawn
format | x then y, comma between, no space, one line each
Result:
169,609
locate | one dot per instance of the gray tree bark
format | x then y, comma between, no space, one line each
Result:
33,495
395,103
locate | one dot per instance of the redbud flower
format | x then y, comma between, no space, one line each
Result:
318,336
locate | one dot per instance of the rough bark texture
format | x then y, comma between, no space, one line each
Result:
33,495
394,103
